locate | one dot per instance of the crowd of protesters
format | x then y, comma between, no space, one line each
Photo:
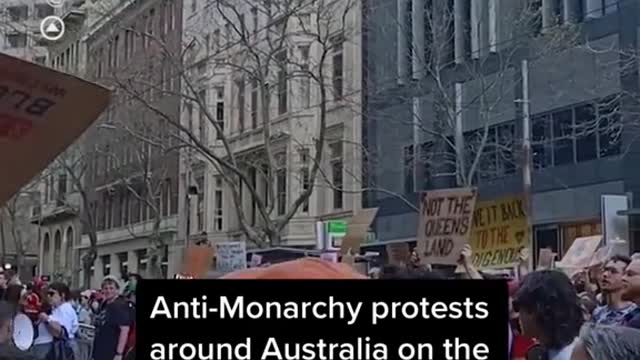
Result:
594,314
70,324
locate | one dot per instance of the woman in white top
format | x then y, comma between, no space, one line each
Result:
63,321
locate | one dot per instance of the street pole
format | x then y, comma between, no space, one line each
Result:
526,158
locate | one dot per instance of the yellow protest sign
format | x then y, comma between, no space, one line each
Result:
499,231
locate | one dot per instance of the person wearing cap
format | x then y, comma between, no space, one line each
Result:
112,322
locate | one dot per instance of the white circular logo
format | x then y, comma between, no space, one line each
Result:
52,28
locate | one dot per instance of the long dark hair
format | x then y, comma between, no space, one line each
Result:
550,296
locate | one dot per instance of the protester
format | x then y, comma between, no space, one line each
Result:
631,281
601,342
43,342
549,311
616,311
519,345
63,321
112,323
82,311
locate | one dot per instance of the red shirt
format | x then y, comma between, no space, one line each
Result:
521,345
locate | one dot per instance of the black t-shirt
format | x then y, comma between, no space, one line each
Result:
108,322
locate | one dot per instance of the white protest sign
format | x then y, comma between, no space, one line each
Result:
231,256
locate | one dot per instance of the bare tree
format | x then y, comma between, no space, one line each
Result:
143,160
271,50
15,224
76,163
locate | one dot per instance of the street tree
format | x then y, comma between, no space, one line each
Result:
18,236
271,51
142,160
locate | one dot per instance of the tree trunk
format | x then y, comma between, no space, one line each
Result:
89,259
154,270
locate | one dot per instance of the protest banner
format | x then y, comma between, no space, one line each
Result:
357,230
42,112
580,254
398,253
197,262
231,256
499,231
444,224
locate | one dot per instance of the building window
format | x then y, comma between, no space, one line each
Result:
409,169
254,17
106,265
216,39
202,120
593,9
253,182
305,81
217,202
62,186
166,197
337,43
143,260
18,13
200,204
581,133
125,204
17,40
43,10
305,176
495,152
254,103
124,263
241,104
220,111
281,183
336,173
281,59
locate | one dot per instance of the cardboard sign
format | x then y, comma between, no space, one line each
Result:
256,260
444,224
42,112
197,262
231,256
357,230
398,253
600,256
580,253
546,259
329,256
500,229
